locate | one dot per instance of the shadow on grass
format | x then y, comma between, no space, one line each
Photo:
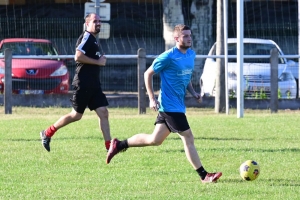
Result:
225,139
213,138
255,149
271,182
173,150
55,138
283,182
283,150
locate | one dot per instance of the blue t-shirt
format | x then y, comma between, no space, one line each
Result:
175,70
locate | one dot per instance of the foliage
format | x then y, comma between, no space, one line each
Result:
261,94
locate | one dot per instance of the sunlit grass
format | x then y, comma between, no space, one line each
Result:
76,169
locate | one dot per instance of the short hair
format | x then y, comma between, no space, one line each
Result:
180,27
88,16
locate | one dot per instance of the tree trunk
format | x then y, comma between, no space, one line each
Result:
201,27
220,102
172,16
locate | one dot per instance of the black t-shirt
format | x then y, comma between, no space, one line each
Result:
87,75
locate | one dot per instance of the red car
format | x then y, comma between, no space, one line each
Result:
33,75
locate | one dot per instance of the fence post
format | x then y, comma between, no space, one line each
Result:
141,85
8,81
274,80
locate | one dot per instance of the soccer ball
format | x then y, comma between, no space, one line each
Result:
249,170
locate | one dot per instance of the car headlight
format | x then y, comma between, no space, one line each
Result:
2,73
1,70
60,71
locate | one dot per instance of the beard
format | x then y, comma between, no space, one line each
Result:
183,46
97,31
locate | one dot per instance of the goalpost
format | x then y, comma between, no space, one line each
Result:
240,53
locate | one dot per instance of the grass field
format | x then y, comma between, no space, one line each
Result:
75,168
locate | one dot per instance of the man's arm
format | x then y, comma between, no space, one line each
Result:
82,58
148,78
190,88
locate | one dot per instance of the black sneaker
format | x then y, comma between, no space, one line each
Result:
45,140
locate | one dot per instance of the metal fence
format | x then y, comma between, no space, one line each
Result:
121,75
140,67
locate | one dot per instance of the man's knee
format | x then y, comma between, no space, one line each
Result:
187,137
74,115
102,112
156,142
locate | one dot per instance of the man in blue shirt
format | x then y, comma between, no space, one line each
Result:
175,67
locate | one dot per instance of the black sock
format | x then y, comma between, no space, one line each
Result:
122,145
202,172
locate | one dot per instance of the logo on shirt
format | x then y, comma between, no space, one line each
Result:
184,72
98,54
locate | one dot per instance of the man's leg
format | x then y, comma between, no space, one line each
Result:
103,114
159,134
67,119
190,149
193,157
61,122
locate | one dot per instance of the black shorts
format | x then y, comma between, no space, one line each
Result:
176,122
92,98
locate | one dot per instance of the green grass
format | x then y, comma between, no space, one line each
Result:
76,169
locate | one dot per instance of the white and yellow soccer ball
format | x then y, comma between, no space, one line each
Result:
249,170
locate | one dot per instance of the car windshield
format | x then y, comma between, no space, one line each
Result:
253,49
29,48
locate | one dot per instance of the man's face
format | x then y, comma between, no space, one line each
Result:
184,39
94,24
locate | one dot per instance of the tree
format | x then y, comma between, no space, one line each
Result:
201,27
172,16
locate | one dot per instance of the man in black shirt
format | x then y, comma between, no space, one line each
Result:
86,83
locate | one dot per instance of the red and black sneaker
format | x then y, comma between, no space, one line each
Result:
211,177
112,151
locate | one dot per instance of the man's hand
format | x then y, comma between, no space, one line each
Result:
154,104
102,60
198,97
